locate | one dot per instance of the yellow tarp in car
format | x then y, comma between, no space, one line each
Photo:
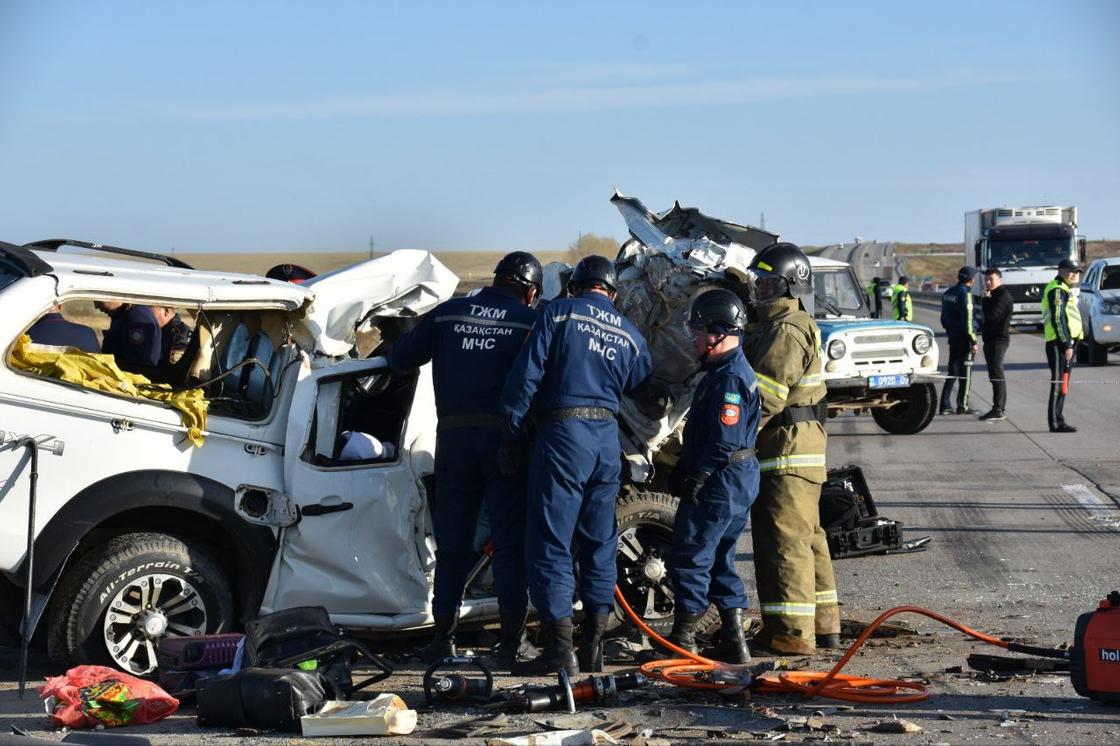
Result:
100,372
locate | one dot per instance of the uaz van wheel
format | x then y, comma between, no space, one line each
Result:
645,534
914,411
124,596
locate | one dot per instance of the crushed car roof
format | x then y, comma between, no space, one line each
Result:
83,274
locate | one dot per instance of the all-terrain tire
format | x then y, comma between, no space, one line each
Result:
916,411
648,517
187,584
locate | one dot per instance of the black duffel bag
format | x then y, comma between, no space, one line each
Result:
269,698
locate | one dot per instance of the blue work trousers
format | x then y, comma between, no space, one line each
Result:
573,487
467,477
702,559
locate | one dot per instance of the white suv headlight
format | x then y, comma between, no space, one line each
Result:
1111,308
922,343
836,349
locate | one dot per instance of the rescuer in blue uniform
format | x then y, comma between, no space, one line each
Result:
133,338
53,329
581,358
960,325
716,478
472,342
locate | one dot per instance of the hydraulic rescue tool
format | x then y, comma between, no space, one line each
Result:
599,689
1094,662
450,685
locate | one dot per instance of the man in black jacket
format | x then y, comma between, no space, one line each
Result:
997,307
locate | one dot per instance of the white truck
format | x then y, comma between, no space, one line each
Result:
1026,244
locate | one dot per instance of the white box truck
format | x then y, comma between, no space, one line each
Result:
1026,244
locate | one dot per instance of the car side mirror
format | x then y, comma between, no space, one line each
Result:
1081,253
976,250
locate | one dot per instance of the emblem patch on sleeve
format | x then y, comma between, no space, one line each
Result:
729,414
732,398
136,336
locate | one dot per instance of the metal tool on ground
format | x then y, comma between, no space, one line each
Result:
594,690
445,682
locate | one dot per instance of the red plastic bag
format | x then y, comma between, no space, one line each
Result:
87,696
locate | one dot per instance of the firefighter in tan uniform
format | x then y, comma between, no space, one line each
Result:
793,569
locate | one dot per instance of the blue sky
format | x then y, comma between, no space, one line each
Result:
294,126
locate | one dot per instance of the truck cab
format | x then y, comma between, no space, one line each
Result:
1025,244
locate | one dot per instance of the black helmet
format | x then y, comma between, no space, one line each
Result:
521,267
594,270
787,269
718,311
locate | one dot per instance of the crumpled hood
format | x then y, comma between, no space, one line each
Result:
351,300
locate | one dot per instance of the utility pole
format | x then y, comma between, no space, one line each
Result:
762,221
371,247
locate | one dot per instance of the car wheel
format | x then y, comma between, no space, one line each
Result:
645,534
1095,354
918,405
124,596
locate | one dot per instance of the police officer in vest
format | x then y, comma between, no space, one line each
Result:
716,478
581,358
960,325
902,306
133,338
472,342
1061,320
796,585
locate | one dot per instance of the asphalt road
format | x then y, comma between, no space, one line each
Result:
1025,533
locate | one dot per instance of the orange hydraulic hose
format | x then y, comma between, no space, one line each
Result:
698,672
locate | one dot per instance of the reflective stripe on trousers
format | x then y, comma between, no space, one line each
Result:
791,462
789,609
826,598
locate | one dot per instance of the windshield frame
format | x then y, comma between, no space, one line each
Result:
822,302
1029,252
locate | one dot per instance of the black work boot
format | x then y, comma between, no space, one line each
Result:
443,639
732,647
684,630
828,641
557,655
590,654
512,645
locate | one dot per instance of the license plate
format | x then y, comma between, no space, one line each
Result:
899,380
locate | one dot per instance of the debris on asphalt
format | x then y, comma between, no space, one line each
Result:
854,628
478,727
993,663
895,726
557,738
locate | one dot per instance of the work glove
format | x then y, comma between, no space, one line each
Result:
686,484
510,456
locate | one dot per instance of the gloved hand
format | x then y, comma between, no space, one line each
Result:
693,483
509,456
686,484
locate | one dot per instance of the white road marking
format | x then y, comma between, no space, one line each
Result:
1098,510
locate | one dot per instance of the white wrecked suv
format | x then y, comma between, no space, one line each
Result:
152,521
140,532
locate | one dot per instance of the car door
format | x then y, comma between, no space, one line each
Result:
359,547
1088,293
